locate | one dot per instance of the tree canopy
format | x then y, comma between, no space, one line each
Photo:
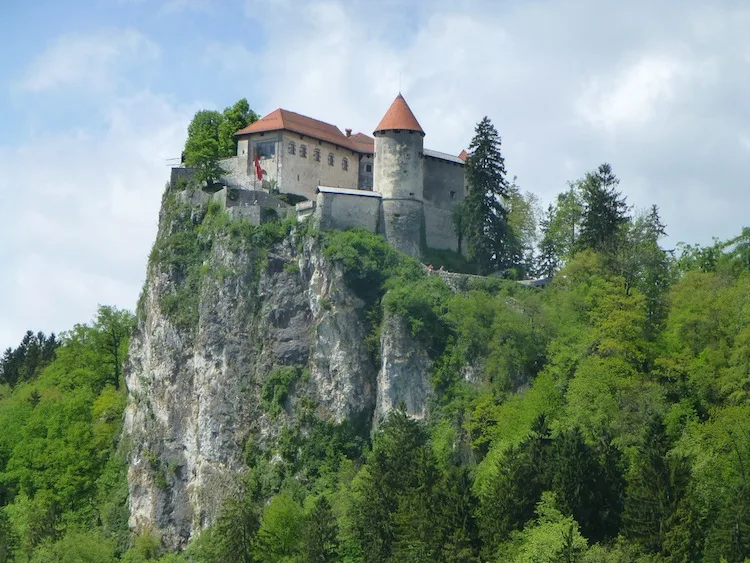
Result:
211,138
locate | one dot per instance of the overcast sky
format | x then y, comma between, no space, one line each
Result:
96,95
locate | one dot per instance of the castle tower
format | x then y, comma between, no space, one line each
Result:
399,176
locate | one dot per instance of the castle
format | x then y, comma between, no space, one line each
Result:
389,183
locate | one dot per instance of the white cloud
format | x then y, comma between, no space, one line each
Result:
82,214
88,62
657,89
637,93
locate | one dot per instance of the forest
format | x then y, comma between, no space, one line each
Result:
602,417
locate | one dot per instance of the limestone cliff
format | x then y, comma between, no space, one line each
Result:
234,333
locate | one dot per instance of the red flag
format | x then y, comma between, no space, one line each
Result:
258,169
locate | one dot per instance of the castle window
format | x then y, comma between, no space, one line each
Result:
265,149
368,167
453,194
303,151
330,159
292,147
344,164
316,155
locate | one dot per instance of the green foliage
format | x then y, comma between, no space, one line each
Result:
603,417
550,538
79,547
321,533
25,362
211,138
491,241
277,386
449,260
60,472
604,211
369,261
280,537
233,119
183,250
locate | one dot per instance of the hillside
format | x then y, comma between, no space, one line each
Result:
303,396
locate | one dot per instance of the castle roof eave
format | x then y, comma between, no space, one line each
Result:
285,120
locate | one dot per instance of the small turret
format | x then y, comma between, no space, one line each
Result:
399,175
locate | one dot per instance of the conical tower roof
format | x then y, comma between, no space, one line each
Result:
399,116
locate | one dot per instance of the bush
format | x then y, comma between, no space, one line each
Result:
277,387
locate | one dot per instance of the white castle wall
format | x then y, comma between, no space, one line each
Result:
302,176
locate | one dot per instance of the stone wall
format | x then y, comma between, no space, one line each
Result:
341,210
402,221
237,174
443,181
440,231
398,171
249,204
365,181
180,173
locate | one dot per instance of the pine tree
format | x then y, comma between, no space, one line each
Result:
582,488
548,258
321,537
392,470
8,540
490,241
651,494
515,489
604,211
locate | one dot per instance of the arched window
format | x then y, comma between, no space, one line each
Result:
330,159
303,151
345,163
291,147
316,155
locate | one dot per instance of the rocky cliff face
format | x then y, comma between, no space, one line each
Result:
282,319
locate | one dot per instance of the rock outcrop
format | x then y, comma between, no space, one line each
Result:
195,392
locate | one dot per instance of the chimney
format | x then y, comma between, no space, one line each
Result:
348,132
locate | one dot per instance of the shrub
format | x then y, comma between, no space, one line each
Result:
277,387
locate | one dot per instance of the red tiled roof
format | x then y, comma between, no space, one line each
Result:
282,119
362,143
399,116
463,155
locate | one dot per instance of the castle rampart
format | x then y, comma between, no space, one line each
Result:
339,209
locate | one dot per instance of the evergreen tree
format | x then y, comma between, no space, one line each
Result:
604,211
646,267
548,259
321,535
651,494
25,362
392,469
8,542
582,489
515,489
457,524
490,240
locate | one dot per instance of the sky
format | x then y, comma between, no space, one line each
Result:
96,96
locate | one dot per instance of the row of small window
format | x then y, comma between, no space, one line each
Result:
292,149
